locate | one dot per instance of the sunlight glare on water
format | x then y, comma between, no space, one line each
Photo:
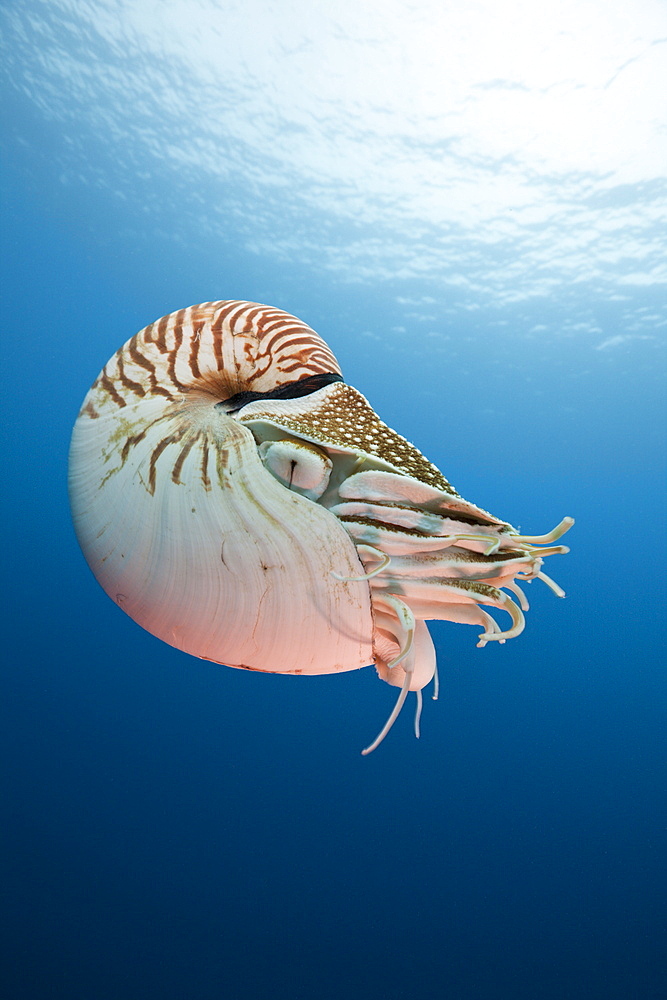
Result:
408,123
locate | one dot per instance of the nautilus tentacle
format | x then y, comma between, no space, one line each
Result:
244,504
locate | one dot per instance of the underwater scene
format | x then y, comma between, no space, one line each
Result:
334,424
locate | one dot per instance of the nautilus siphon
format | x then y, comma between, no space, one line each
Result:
240,501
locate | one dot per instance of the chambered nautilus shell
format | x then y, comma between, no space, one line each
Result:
241,502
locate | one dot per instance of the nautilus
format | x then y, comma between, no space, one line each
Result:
243,503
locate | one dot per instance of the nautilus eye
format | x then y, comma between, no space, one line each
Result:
241,502
298,466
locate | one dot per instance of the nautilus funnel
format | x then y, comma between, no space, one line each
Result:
240,501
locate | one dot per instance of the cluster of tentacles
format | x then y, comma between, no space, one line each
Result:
432,555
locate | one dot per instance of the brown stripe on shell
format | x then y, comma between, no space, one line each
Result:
105,382
177,331
155,333
204,465
162,328
197,325
256,318
289,360
130,443
228,318
178,464
129,383
155,454
159,390
216,338
285,340
174,438
146,363
132,347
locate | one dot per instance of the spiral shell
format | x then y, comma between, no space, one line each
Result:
241,502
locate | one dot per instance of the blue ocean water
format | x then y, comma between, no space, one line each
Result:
467,205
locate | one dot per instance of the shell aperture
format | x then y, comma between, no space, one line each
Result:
290,390
241,502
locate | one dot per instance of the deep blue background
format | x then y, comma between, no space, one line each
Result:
175,829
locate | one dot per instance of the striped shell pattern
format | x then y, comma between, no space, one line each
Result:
241,502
